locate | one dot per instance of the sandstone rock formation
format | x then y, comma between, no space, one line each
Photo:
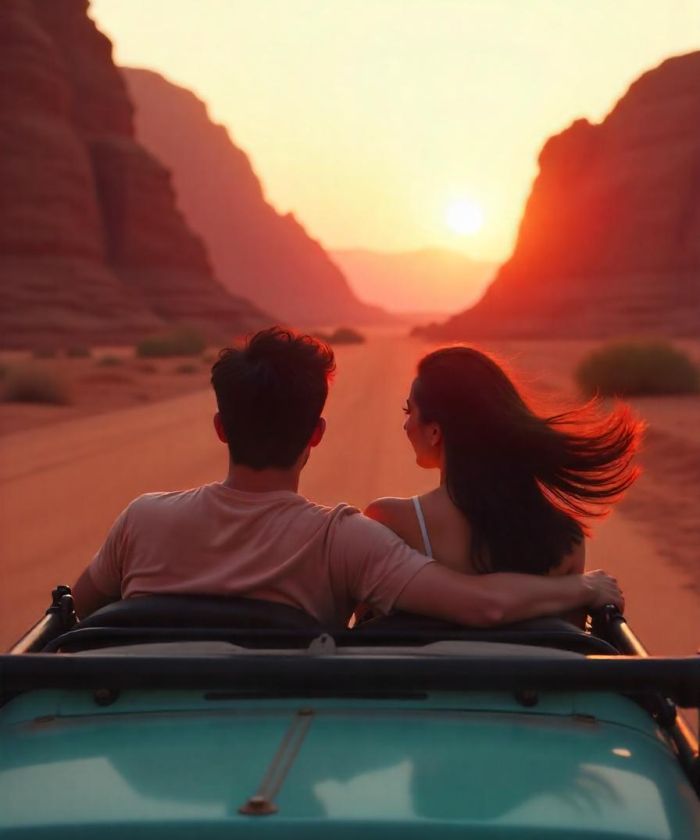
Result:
255,251
92,246
609,243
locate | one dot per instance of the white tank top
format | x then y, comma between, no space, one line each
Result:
427,548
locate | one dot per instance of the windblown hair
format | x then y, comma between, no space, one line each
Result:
270,394
525,483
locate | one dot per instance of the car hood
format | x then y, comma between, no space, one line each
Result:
183,764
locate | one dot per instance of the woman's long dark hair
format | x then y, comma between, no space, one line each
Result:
525,483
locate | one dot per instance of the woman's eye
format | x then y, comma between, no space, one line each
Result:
406,409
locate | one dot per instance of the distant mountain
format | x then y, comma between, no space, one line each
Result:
609,242
434,279
255,251
92,246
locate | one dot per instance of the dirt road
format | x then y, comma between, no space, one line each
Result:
61,487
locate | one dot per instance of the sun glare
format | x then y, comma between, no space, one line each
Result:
464,216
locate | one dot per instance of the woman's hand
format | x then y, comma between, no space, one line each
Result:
603,589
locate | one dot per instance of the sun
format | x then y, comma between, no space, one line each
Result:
464,216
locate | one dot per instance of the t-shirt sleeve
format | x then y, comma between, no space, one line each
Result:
106,568
374,563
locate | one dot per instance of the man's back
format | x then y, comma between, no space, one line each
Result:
276,546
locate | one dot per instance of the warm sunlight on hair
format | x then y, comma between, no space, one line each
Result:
464,216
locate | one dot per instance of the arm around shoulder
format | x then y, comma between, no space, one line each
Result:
502,598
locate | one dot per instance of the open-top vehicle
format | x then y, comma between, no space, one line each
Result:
185,717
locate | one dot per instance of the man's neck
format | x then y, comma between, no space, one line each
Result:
249,480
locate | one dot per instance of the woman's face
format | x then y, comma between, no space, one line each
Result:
425,438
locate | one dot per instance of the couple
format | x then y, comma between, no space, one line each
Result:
499,540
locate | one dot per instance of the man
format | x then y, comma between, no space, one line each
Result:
254,536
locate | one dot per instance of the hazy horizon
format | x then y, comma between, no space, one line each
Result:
410,124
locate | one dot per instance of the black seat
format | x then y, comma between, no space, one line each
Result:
405,629
199,611
158,618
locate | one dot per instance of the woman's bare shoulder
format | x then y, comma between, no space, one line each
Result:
398,515
389,510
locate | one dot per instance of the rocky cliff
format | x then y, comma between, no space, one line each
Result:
609,242
265,256
92,246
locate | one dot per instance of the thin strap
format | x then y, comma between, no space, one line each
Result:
423,530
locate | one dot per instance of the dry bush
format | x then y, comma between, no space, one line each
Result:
78,351
29,384
183,341
110,361
637,368
44,353
187,367
342,335
146,367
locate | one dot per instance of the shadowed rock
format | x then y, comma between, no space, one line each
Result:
264,255
92,245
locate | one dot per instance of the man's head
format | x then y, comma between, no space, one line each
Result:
270,393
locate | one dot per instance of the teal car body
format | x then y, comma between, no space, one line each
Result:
166,765
225,761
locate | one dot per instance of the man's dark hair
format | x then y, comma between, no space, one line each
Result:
270,393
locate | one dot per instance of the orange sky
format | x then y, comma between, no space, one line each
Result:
368,118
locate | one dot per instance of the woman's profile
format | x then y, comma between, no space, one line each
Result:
516,487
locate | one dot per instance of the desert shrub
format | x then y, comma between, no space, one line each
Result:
187,367
44,353
146,367
343,335
34,385
107,377
4,370
78,351
638,368
183,341
110,361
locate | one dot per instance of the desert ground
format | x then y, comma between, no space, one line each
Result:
66,472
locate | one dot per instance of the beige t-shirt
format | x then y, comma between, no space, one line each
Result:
275,546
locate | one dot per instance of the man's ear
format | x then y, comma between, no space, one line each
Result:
318,432
219,426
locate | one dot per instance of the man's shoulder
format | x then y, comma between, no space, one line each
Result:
160,500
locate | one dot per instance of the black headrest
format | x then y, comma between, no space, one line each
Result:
550,631
200,611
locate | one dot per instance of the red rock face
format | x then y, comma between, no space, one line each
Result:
609,242
255,251
92,246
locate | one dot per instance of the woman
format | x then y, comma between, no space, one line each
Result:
515,487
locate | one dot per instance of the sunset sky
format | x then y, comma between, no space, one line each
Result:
400,124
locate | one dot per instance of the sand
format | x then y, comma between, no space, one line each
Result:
109,380
63,478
